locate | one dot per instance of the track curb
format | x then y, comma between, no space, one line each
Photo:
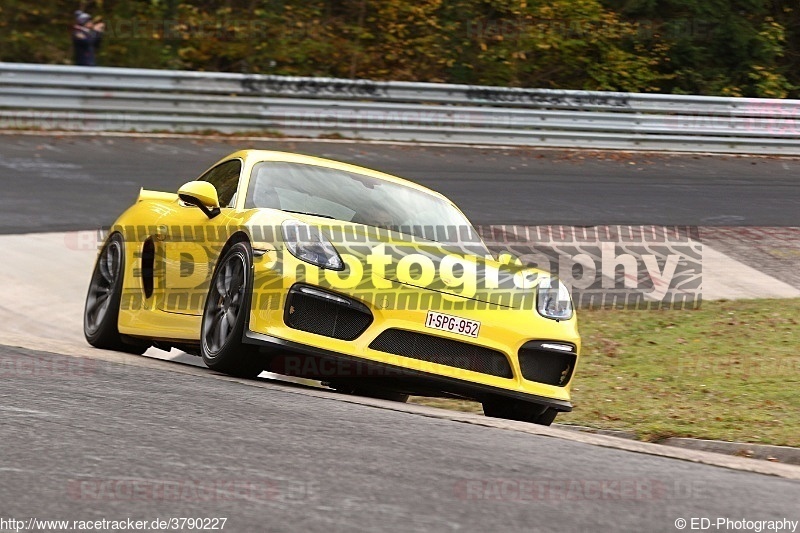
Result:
766,452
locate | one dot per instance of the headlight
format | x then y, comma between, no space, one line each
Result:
308,244
553,300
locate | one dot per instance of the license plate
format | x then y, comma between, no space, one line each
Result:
453,324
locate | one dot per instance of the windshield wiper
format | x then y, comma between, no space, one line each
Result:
310,214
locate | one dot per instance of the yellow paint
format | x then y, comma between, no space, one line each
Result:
188,245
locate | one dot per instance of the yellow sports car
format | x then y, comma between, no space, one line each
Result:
308,267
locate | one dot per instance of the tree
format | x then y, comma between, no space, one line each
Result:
712,47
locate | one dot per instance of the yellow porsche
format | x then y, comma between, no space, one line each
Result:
314,268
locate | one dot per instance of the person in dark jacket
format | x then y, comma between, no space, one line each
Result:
86,37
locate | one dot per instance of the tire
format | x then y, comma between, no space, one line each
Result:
225,316
519,410
101,311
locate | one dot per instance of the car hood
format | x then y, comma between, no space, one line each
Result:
452,268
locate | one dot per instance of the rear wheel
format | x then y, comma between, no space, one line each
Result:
225,316
519,410
101,311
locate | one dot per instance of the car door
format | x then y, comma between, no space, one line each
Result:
193,242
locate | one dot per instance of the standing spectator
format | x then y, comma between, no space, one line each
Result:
86,37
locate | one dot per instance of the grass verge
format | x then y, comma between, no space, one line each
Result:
729,371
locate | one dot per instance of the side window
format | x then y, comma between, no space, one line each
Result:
225,177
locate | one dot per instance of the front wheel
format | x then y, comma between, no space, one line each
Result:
225,316
101,312
519,410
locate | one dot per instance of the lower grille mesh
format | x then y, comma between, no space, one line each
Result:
443,351
344,319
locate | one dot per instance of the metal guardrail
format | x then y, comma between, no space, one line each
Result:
86,99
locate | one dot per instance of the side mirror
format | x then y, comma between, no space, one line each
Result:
201,194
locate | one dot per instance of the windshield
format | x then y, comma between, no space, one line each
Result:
352,197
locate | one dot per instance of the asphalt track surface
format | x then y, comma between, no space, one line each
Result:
105,440
70,183
84,438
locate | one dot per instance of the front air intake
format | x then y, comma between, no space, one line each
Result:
325,313
547,362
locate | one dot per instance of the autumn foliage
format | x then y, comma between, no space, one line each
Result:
713,47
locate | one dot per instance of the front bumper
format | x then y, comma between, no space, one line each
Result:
416,378
503,331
